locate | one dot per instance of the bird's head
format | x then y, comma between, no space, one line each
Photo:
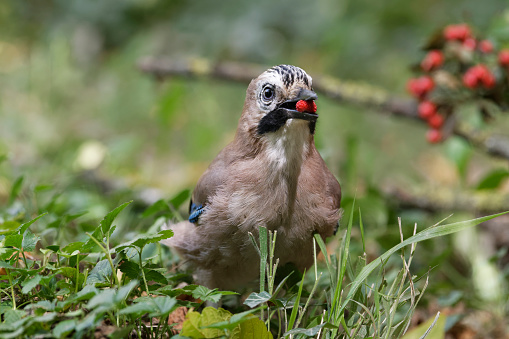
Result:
272,97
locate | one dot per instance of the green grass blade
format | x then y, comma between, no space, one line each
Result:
429,233
361,226
295,309
263,256
342,268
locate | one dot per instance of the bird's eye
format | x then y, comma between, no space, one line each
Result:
268,93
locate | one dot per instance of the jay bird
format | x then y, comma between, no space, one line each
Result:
270,175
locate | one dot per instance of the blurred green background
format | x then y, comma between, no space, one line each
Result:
86,129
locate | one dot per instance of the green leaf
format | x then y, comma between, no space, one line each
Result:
72,247
252,328
103,228
100,272
13,240
195,324
205,294
130,269
163,306
235,320
16,188
46,317
29,241
104,298
459,151
86,293
12,316
138,309
29,285
140,242
124,291
310,332
256,299
43,304
23,227
105,224
437,332
158,206
493,179
153,275
64,328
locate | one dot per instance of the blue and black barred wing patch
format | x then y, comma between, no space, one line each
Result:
194,212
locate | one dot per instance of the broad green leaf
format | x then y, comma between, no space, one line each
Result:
235,320
29,285
459,151
64,328
191,326
43,304
105,297
163,306
429,233
130,269
100,272
12,316
90,321
153,275
29,241
14,240
86,293
46,317
203,293
124,291
195,323
158,206
493,179
252,328
180,198
138,309
256,299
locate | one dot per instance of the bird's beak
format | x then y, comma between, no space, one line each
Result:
289,107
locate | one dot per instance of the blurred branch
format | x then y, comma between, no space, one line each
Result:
356,93
443,199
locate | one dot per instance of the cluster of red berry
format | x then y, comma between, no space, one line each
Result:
459,56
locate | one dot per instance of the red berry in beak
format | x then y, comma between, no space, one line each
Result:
308,106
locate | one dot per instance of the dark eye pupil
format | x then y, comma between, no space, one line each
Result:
268,93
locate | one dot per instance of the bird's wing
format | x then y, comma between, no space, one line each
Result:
212,179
